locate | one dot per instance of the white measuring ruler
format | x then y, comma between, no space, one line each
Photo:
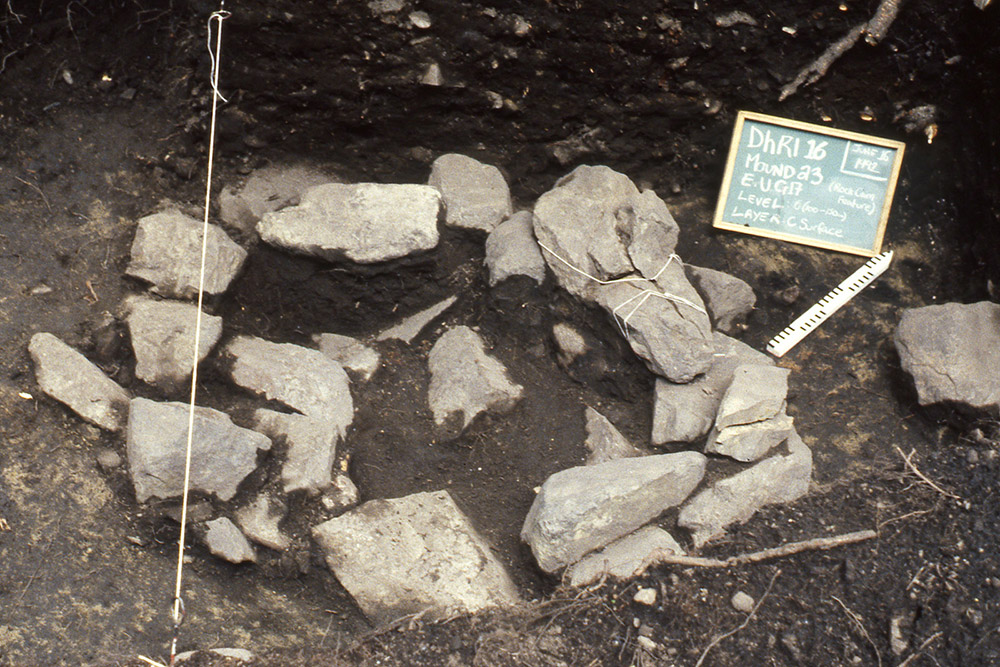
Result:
829,304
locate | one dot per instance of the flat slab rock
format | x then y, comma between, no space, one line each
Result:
413,554
585,508
475,195
222,454
362,222
162,334
70,378
625,558
952,352
778,479
303,379
225,540
465,381
410,327
166,252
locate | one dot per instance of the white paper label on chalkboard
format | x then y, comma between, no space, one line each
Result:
808,184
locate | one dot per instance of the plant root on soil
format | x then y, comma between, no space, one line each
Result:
916,471
742,625
856,619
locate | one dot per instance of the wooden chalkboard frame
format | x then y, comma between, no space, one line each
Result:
720,222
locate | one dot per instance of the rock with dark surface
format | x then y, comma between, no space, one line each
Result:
413,554
604,441
756,393
70,378
750,442
267,189
585,508
475,195
312,448
778,479
728,299
166,252
225,540
352,354
511,250
686,412
259,521
162,334
952,352
363,222
624,558
222,453
465,380
411,326
303,379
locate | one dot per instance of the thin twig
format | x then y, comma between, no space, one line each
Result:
38,190
861,627
742,625
3,63
922,476
908,515
920,650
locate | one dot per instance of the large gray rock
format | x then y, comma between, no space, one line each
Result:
225,540
350,353
511,250
756,393
604,441
222,453
778,479
267,189
465,380
363,222
413,554
312,449
411,326
952,352
303,379
686,412
67,376
166,252
728,299
585,508
259,521
162,334
475,195
624,558
596,222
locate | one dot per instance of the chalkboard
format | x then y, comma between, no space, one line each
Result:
808,184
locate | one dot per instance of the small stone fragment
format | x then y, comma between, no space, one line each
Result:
67,376
569,343
728,299
624,558
897,642
432,76
259,522
108,459
352,354
341,495
645,596
475,195
240,655
312,448
410,327
511,250
166,252
733,18
420,19
742,602
604,441
163,334
225,540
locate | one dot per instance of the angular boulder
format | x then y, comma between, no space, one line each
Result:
166,252
413,554
163,334
584,508
475,195
625,558
363,222
303,379
259,521
352,354
465,380
70,378
604,441
225,540
511,250
952,352
728,299
222,453
312,449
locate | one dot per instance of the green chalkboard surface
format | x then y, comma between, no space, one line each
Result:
808,184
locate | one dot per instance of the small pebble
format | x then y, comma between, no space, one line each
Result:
646,643
108,459
972,456
742,602
646,596
420,19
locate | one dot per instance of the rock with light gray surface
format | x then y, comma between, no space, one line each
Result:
225,540
756,393
259,522
465,380
605,442
222,454
475,195
585,508
750,442
413,554
312,449
70,378
351,353
952,352
728,299
303,379
778,479
625,558
411,326
162,334
570,344
341,495
362,222
267,189
166,253
686,412
240,655
511,250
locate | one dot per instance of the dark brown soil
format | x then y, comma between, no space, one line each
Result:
103,115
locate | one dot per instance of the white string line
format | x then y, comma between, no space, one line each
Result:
642,296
